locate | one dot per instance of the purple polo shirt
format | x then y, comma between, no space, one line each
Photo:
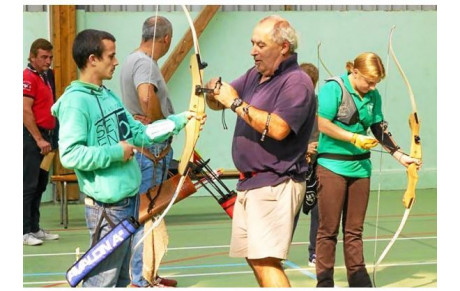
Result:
289,93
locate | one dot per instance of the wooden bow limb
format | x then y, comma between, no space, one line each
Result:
395,236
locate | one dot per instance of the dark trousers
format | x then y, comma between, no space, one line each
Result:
34,183
313,230
346,199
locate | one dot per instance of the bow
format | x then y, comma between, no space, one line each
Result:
321,61
415,152
197,102
192,129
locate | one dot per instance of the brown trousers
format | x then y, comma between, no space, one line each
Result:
346,199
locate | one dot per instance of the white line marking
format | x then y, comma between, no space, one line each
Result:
227,246
250,272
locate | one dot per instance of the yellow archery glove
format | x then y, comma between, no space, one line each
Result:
364,141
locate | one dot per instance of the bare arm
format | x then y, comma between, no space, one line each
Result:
149,102
327,127
28,119
278,129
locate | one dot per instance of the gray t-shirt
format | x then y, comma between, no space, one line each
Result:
138,69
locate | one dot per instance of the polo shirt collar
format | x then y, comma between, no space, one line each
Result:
31,68
286,64
43,75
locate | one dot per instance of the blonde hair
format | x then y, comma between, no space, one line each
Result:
369,65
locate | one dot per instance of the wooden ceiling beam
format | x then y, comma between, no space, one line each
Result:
63,32
186,43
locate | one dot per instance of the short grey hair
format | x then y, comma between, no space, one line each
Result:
282,31
163,28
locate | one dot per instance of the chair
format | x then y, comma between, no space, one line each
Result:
62,181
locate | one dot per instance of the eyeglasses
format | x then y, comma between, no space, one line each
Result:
368,82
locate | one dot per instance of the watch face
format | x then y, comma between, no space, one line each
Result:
236,103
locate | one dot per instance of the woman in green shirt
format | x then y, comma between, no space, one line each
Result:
348,106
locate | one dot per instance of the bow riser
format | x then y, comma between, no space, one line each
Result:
416,146
197,105
415,152
412,178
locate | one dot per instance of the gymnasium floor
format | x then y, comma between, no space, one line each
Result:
199,234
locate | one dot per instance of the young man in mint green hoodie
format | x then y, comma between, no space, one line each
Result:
96,139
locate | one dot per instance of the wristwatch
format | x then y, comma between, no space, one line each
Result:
236,103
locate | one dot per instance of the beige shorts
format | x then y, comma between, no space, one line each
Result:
263,220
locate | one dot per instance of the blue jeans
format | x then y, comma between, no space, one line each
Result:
152,175
114,270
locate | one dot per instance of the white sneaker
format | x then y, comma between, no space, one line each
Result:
44,235
30,240
312,260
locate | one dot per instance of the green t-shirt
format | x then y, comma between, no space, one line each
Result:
370,112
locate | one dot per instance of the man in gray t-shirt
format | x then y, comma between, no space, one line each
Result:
146,97
140,74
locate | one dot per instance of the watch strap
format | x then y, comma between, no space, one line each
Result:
236,103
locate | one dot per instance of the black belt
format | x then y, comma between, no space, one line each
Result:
90,201
246,175
48,132
340,157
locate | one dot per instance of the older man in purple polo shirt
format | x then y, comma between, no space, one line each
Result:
275,103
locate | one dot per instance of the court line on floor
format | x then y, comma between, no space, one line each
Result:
296,269
227,246
300,269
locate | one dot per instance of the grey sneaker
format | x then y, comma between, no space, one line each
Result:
312,260
44,235
30,240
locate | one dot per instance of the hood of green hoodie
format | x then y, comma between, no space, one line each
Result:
84,87
78,86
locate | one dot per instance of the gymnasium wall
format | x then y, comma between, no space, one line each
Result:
225,46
